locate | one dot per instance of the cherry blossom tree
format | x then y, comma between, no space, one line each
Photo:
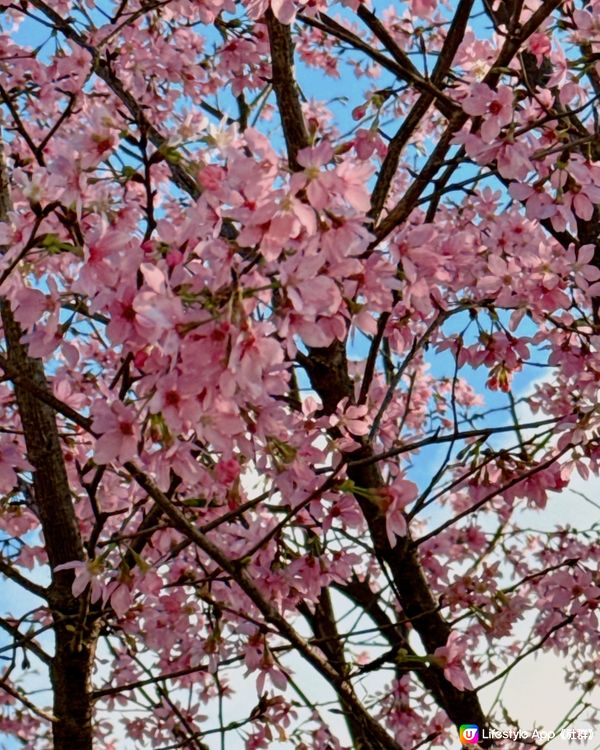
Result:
300,318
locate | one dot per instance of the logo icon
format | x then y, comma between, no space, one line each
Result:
469,734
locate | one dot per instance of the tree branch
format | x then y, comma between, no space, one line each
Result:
286,88
72,662
271,615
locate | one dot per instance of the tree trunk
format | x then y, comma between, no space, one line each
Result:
75,638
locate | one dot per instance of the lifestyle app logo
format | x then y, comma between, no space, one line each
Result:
469,734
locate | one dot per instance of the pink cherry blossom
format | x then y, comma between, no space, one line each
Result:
300,366
423,8
319,296
539,204
393,500
118,429
318,182
450,657
351,419
494,106
227,470
12,459
86,574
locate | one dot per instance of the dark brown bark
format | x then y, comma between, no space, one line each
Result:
411,122
70,669
286,88
327,369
